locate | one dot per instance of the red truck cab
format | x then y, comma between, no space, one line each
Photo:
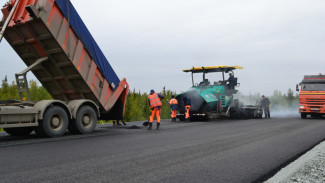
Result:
312,95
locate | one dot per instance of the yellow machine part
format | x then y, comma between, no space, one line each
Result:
219,68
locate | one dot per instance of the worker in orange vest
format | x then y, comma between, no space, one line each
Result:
173,107
187,104
155,105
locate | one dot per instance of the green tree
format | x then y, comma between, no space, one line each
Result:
5,93
137,106
38,92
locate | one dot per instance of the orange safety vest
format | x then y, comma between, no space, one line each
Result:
154,100
173,101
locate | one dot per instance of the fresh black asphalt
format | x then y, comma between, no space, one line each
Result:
217,151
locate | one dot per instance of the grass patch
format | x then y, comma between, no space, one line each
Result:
104,121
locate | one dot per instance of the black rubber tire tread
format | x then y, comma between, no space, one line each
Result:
76,126
303,115
19,132
45,129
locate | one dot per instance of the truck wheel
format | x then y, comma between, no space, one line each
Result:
85,121
19,131
54,123
303,115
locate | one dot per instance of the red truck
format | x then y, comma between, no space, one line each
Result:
312,95
51,39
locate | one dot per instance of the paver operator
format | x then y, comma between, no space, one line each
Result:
231,81
155,105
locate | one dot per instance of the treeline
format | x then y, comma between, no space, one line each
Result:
10,91
137,108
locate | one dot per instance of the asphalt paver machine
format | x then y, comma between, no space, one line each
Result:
215,99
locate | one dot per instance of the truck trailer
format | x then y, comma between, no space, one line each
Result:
55,44
312,95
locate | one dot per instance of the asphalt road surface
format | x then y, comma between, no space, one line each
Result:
217,151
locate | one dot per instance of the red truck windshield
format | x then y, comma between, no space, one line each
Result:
313,87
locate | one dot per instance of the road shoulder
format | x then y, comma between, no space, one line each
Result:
310,167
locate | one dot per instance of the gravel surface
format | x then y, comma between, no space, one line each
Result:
309,168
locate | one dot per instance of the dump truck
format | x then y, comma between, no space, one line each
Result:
52,40
312,95
215,99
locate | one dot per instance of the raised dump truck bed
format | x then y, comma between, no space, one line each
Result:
52,40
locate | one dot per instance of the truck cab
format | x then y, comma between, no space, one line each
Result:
312,96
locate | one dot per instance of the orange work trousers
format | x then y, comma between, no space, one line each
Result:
173,113
187,111
155,111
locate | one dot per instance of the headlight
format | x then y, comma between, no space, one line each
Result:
301,107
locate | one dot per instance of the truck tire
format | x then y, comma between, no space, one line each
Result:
85,121
303,115
55,122
19,132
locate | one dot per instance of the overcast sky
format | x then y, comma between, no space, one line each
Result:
149,42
